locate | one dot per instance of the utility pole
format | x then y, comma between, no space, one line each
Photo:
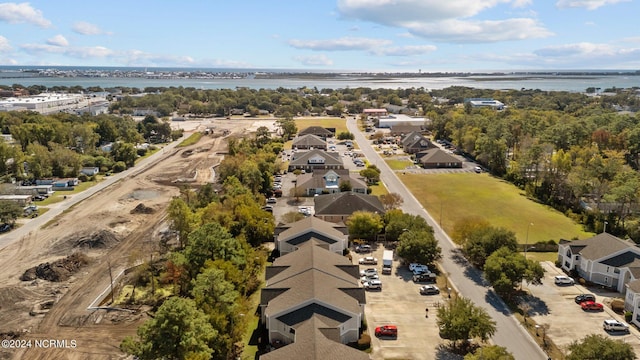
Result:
111,278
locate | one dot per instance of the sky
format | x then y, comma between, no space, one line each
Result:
326,35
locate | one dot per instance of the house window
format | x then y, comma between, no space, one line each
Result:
607,269
606,280
568,254
616,271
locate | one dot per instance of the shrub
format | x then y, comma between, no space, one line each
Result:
83,177
628,315
119,167
582,281
617,305
364,342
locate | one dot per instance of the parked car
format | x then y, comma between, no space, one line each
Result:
367,278
368,272
478,169
429,290
591,305
363,248
563,280
426,277
268,208
372,285
38,198
271,200
387,330
585,297
368,260
615,325
4,228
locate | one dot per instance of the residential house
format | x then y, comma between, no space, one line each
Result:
339,206
311,228
603,259
375,112
415,142
328,181
309,142
437,158
315,160
318,131
90,171
632,300
22,200
315,287
403,130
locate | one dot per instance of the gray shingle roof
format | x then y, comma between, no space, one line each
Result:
309,140
623,259
316,180
599,246
316,130
346,203
314,226
301,158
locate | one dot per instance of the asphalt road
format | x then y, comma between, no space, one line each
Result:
467,280
72,199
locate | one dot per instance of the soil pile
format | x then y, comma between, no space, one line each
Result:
56,271
142,209
101,239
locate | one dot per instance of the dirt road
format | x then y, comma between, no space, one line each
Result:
39,309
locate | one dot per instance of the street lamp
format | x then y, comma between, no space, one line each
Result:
605,227
526,241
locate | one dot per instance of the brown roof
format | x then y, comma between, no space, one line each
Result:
316,341
438,156
316,130
313,275
346,203
312,225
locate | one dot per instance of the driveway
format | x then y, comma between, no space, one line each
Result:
554,306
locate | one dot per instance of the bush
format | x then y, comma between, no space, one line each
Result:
83,177
582,281
120,166
364,342
617,306
628,315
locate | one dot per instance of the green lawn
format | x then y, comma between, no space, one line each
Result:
326,122
379,189
452,197
192,139
398,164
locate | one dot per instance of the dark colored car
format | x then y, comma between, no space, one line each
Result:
585,297
4,228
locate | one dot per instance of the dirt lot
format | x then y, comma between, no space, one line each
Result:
109,229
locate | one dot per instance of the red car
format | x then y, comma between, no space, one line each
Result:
387,330
591,305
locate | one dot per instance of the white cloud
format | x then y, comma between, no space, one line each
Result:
580,49
341,44
14,13
445,20
4,44
461,31
58,40
85,28
314,60
589,4
404,50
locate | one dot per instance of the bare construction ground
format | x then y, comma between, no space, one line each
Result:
105,232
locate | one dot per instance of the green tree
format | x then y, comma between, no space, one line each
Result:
371,174
391,201
345,186
10,211
599,347
182,219
345,135
505,269
124,152
364,225
178,331
419,246
461,320
211,241
493,352
484,241
288,128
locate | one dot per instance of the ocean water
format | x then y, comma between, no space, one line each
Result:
541,81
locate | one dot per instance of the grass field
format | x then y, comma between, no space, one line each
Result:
326,122
395,164
192,139
450,198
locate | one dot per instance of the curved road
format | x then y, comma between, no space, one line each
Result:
468,280
58,208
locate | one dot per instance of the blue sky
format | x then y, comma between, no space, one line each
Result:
331,35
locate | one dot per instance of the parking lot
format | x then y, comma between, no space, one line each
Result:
400,303
554,306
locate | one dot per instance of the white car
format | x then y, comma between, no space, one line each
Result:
368,260
372,285
366,278
414,267
563,280
369,272
615,325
